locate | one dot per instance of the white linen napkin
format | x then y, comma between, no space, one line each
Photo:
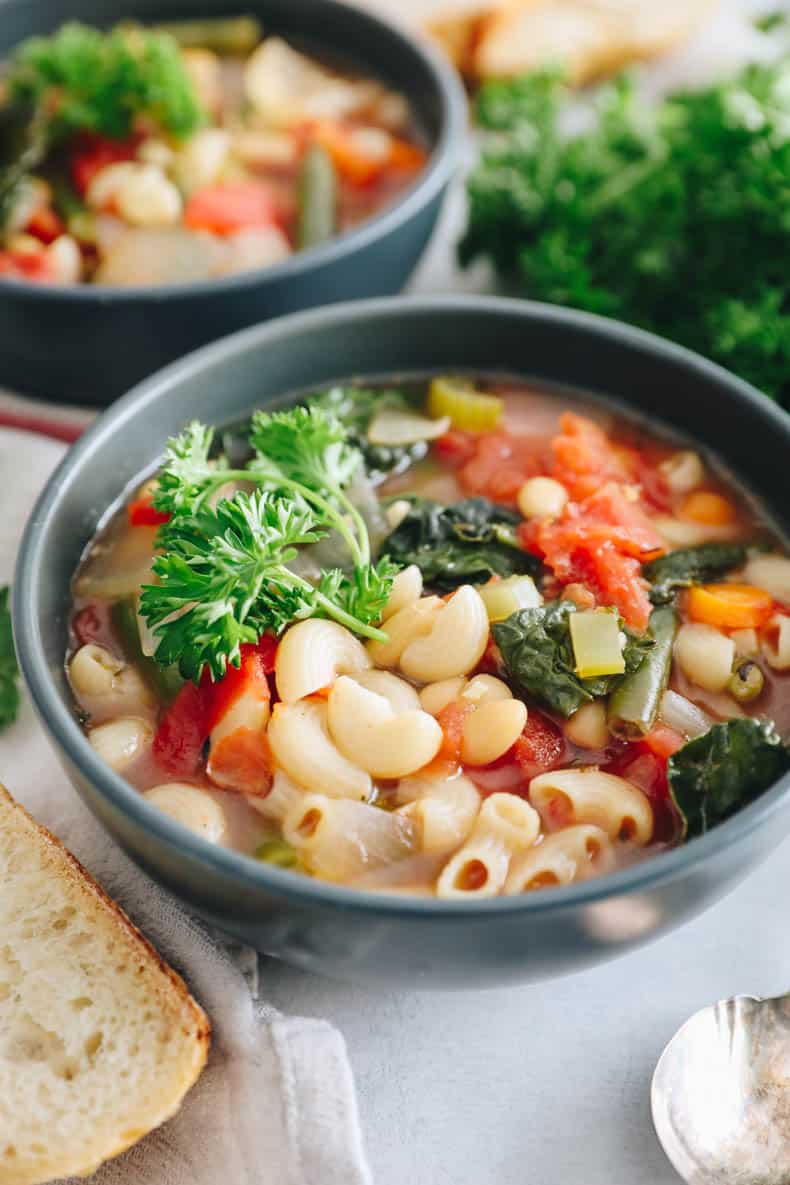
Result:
276,1104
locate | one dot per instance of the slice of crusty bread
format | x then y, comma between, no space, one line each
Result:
588,38
99,1039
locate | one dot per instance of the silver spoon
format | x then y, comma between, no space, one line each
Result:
721,1094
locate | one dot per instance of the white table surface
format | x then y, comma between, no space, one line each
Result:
547,1084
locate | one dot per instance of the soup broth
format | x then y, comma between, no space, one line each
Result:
536,640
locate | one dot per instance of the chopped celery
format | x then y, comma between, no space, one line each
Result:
278,852
466,407
597,643
503,597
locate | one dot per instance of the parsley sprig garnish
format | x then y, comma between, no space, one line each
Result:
223,566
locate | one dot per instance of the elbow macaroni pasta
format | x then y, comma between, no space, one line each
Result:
591,796
506,825
560,859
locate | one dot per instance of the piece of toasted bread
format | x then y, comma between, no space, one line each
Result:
99,1039
587,38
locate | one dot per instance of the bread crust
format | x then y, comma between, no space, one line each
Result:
167,989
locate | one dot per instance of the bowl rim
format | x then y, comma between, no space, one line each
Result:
437,172
61,723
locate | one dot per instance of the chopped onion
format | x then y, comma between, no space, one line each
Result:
681,714
393,427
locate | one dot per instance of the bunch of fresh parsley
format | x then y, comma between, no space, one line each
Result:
674,216
222,570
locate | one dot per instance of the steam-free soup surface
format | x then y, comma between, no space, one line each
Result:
454,638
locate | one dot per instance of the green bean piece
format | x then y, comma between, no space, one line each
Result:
317,198
633,705
165,682
277,852
223,35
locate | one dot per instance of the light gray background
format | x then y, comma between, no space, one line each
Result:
549,1084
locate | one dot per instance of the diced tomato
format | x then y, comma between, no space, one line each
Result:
45,225
242,761
183,730
250,675
232,207
451,720
540,747
185,726
91,623
501,464
616,580
94,153
456,447
584,457
27,265
601,542
142,512
662,741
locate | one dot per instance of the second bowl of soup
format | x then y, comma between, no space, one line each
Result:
166,180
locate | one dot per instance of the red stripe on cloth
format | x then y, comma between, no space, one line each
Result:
56,429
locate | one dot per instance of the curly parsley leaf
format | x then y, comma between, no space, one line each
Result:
641,216
537,654
222,570
9,671
725,768
467,542
89,80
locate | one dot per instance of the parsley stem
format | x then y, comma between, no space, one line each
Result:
339,615
359,548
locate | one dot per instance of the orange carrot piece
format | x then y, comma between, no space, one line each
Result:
730,606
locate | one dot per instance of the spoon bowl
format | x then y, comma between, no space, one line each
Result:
721,1094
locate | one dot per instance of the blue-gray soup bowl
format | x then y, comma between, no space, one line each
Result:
89,343
353,934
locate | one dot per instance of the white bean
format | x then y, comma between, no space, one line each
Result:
541,496
491,729
683,471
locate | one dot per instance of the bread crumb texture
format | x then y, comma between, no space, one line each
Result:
99,1039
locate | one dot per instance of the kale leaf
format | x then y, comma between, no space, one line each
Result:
537,653
9,692
690,565
641,216
355,407
465,543
722,770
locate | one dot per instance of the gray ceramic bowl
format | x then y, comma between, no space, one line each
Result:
361,935
89,344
